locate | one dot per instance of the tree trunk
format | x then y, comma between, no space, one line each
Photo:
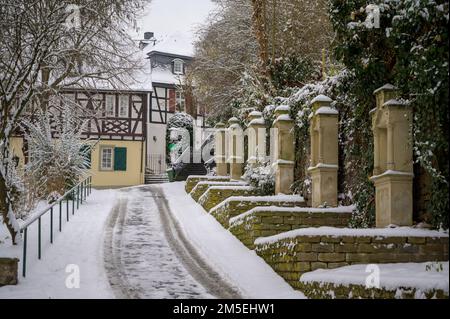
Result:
4,209
259,26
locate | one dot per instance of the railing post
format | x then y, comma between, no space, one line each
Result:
51,225
78,196
73,203
24,259
81,193
39,238
60,217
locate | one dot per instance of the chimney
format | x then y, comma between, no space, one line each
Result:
148,38
148,35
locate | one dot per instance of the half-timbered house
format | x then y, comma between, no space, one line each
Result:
115,122
169,60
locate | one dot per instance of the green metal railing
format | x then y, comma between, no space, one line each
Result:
76,194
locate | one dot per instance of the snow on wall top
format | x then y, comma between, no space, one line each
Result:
340,209
423,276
359,232
272,198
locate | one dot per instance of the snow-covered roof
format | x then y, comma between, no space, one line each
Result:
138,79
166,76
176,43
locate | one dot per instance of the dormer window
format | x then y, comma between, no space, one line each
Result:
178,66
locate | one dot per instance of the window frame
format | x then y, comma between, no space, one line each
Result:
180,100
110,112
102,149
127,99
180,63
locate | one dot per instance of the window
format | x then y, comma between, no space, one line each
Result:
123,105
110,107
106,160
178,66
181,101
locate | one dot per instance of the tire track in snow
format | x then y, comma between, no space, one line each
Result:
142,257
196,265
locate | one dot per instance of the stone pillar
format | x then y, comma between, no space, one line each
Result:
324,152
235,148
256,138
283,161
219,153
393,159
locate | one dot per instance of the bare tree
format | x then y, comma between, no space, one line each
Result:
51,44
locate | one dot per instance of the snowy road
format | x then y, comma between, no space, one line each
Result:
147,256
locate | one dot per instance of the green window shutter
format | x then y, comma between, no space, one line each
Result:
120,158
85,151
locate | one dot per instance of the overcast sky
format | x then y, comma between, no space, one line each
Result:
168,17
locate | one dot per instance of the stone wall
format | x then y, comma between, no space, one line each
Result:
235,206
320,290
291,257
8,271
192,180
217,194
263,222
202,187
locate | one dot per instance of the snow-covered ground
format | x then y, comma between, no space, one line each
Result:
239,265
140,259
148,264
80,243
422,276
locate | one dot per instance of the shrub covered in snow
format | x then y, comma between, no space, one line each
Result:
56,164
261,176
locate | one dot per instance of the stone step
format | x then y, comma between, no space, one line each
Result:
192,180
269,221
203,186
237,205
296,252
217,194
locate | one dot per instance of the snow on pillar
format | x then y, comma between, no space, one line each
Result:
235,148
393,159
283,161
256,138
219,152
324,152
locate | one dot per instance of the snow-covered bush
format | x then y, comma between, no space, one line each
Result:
261,176
56,164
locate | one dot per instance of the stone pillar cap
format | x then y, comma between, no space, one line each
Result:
220,125
282,109
255,114
321,99
386,87
395,102
233,120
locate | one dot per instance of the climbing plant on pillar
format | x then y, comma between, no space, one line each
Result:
407,46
